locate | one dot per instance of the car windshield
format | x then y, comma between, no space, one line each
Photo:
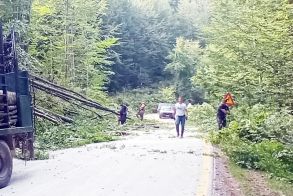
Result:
166,108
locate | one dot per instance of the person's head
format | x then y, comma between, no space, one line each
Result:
180,99
189,101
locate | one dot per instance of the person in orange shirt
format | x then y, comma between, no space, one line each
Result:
141,111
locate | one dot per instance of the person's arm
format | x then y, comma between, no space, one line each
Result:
228,110
225,111
174,111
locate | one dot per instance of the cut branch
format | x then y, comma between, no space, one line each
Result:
47,117
66,95
60,87
53,114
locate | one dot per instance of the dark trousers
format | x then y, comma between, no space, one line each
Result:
122,118
140,114
222,122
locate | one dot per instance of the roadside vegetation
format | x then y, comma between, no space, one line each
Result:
121,51
257,182
256,138
253,62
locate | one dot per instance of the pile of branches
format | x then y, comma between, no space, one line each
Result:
67,95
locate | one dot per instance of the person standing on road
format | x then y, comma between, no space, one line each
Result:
122,114
222,112
180,114
141,111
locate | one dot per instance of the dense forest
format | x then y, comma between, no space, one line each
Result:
197,48
113,45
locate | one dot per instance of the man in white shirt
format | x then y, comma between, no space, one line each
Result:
180,114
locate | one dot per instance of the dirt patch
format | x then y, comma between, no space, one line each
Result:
259,185
251,183
224,183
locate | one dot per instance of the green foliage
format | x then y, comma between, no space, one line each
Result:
17,14
142,27
81,59
252,142
249,52
167,94
147,31
261,122
41,154
184,60
83,132
203,117
264,156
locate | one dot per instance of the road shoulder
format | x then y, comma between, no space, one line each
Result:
224,183
231,180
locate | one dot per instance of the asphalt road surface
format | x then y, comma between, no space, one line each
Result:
149,162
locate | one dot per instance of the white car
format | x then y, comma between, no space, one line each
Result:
166,111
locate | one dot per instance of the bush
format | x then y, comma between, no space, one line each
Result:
80,133
259,137
203,116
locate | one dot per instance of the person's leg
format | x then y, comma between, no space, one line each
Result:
220,123
182,125
119,120
123,119
141,115
122,122
224,122
177,125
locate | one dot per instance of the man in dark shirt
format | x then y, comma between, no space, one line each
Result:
122,114
223,110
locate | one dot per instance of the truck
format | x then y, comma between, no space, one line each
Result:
16,108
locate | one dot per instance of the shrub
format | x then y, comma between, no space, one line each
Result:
259,137
80,133
203,117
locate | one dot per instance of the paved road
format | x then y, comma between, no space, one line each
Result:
151,162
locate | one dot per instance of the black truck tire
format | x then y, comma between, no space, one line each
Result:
5,164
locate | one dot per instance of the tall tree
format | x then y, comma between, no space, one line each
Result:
249,51
147,31
66,39
142,28
184,60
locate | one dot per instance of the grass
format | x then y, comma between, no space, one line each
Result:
242,176
284,187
